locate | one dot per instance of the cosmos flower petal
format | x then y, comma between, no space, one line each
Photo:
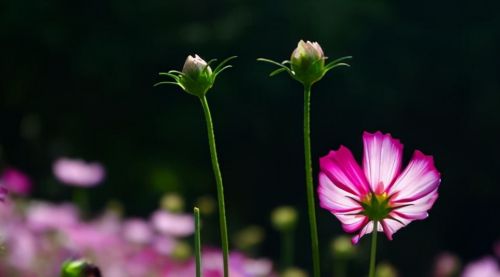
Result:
368,228
335,199
417,209
352,223
418,179
391,226
343,170
381,160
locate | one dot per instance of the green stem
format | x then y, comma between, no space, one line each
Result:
373,250
81,199
287,249
309,182
197,241
220,188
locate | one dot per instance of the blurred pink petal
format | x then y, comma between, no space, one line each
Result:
176,225
15,181
43,216
380,193
446,265
137,231
3,193
485,267
164,245
78,172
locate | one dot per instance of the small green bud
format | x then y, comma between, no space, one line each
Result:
342,247
249,237
386,270
197,76
284,218
207,205
308,62
294,272
182,251
172,203
79,268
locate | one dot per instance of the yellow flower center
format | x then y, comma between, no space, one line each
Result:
376,206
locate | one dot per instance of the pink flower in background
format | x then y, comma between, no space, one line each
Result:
446,265
44,216
380,191
15,181
171,224
137,231
3,193
78,172
485,267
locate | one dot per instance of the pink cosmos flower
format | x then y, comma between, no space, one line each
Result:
78,173
379,191
485,267
3,193
177,225
15,181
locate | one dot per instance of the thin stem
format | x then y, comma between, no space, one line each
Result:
287,249
81,198
197,241
309,182
220,188
373,250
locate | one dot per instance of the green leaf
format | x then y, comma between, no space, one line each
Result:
277,71
220,66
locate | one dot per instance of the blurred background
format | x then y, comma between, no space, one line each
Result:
76,80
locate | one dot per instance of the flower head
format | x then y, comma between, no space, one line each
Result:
485,267
16,181
307,63
3,193
197,77
379,191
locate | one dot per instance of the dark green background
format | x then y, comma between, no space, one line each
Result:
76,79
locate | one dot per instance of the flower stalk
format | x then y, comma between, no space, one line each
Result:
373,251
307,66
220,187
311,209
197,241
197,78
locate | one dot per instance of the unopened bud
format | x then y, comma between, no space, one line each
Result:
182,251
197,76
294,272
79,268
308,62
284,218
342,247
385,270
172,203
249,237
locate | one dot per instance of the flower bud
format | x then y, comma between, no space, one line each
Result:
308,62
294,272
386,270
79,268
197,76
342,247
172,203
249,237
182,251
284,218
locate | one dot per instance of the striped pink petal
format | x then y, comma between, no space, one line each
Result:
381,160
343,170
418,179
